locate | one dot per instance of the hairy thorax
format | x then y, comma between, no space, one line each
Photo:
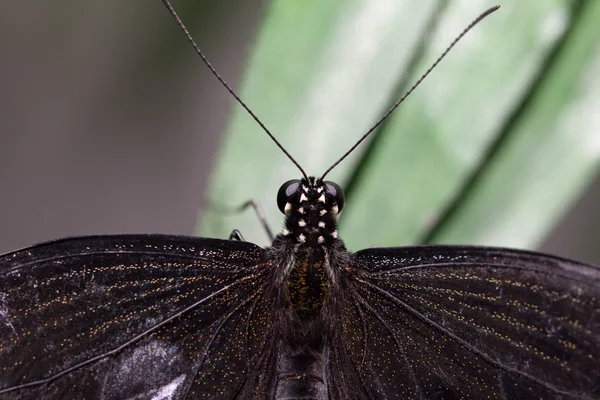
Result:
307,283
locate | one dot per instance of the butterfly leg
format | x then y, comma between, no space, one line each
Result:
236,235
261,217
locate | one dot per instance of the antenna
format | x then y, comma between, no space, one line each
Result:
229,89
417,83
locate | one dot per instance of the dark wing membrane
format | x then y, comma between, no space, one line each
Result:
116,317
468,322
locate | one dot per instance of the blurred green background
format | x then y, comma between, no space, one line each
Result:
111,124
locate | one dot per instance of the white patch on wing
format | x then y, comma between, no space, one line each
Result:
4,314
155,368
168,391
302,223
152,350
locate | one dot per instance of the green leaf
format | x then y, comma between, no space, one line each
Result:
319,76
550,155
441,135
481,152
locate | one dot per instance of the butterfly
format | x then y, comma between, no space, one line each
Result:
174,317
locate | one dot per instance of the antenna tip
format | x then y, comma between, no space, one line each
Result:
485,14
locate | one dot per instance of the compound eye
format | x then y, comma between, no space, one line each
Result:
286,192
338,194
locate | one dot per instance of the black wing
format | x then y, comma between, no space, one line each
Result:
116,317
467,322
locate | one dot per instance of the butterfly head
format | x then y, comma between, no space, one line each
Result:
312,207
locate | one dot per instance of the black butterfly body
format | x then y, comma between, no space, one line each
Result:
170,317
173,317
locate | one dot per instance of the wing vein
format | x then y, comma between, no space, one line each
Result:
129,342
382,320
486,264
461,341
210,341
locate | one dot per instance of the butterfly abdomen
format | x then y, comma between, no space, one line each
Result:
300,362
300,368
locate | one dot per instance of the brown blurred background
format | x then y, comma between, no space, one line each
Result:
108,124
98,134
